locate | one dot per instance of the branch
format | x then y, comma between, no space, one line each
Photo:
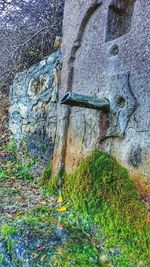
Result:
33,36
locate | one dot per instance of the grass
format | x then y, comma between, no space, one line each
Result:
2,259
8,230
75,253
38,216
47,174
22,171
101,191
3,175
17,165
11,147
105,217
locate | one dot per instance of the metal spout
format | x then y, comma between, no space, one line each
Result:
83,101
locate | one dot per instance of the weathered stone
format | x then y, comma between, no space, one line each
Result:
106,54
135,156
57,43
34,101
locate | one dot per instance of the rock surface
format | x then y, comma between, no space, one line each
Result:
33,110
106,54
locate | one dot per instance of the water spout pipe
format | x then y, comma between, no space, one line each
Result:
83,101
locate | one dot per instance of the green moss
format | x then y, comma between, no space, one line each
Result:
3,175
101,188
8,230
11,147
32,220
2,259
75,253
51,187
22,171
40,215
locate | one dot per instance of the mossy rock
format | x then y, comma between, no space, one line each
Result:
101,188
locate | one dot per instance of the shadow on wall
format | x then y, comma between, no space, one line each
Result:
119,19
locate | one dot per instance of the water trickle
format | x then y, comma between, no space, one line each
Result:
60,233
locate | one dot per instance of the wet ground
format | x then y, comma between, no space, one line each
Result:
29,232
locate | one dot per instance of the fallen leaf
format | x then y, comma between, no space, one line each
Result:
43,258
52,199
40,248
19,214
43,203
25,206
62,209
8,215
22,200
60,199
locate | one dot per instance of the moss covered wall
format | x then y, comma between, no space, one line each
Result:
105,54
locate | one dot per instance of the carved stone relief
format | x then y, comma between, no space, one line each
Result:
123,103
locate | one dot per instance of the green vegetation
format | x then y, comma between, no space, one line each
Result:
51,185
39,215
47,174
3,175
17,165
2,259
17,170
32,220
100,213
8,230
75,253
102,195
22,171
11,147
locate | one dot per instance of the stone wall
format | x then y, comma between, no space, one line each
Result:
106,54
34,102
